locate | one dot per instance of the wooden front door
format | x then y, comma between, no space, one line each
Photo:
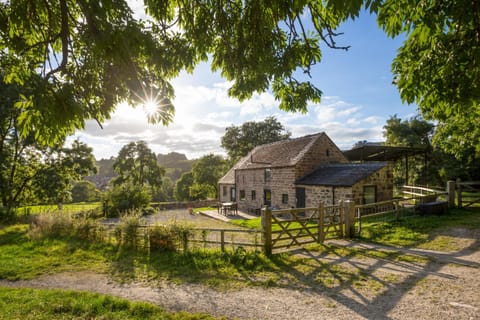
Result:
300,195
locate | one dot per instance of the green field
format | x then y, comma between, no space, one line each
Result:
68,208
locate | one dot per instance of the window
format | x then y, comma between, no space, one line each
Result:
233,194
267,174
285,198
242,194
328,152
369,194
224,191
254,194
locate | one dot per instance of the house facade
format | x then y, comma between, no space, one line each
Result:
301,173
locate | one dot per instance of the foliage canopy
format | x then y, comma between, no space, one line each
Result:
238,141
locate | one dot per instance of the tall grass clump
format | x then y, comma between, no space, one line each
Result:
128,231
60,225
171,237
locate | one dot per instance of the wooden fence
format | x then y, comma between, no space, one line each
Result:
468,193
142,237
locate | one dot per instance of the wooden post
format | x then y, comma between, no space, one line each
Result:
222,240
451,194
396,205
267,230
321,217
459,194
349,216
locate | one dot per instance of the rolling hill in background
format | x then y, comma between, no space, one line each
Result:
175,165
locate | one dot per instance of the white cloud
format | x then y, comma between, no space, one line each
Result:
203,113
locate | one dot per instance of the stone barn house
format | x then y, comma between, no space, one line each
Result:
303,172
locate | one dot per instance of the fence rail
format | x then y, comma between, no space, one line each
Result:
191,237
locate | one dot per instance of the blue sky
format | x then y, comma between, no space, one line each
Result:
358,98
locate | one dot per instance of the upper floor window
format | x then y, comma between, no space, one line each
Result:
242,194
254,194
328,152
268,174
224,191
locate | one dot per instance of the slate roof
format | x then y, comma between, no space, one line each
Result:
283,153
341,174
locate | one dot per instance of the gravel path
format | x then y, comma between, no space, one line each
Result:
446,286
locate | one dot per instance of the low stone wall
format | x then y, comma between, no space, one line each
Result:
185,205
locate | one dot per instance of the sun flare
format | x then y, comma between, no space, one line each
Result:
150,107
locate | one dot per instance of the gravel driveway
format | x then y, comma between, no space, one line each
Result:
444,286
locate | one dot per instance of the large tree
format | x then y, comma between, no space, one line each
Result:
80,58
438,65
83,57
240,140
137,164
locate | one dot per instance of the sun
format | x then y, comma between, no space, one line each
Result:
150,106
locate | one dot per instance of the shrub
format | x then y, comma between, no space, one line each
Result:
128,230
170,237
126,197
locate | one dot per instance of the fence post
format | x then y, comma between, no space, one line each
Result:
459,193
222,240
451,194
321,218
349,216
267,230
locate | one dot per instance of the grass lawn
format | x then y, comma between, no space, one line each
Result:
60,304
421,231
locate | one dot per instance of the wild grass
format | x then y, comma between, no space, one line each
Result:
61,304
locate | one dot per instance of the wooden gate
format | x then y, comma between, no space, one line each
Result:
294,228
468,193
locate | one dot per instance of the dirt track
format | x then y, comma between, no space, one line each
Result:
445,286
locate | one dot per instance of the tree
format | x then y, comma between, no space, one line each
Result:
127,196
85,191
438,65
63,166
240,140
414,132
181,191
206,172
29,170
136,164
439,166
81,58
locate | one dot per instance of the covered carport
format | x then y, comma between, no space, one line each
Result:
379,152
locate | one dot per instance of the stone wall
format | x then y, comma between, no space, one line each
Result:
329,195
224,192
280,183
324,151
382,180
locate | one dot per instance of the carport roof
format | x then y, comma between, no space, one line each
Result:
380,152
